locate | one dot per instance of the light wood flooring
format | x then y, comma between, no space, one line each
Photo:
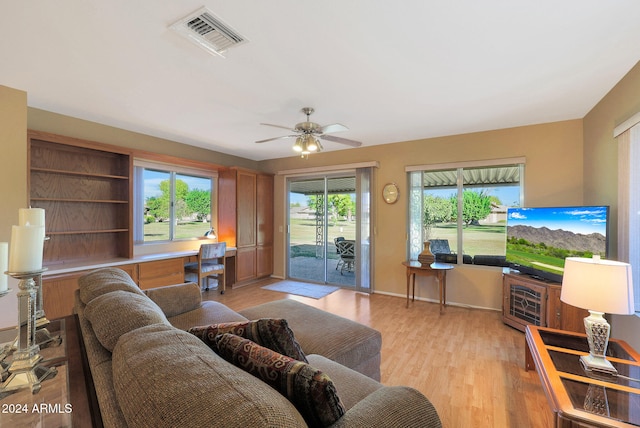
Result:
466,361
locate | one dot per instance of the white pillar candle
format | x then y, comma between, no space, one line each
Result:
27,245
31,216
4,265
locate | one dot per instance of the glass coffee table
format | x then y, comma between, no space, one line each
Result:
65,398
579,398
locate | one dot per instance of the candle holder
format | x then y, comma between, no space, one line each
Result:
25,370
43,337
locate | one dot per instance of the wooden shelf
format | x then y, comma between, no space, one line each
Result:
104,201
76,173
77,232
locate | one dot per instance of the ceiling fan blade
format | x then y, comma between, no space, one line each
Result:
346,141
278,126
334,127
276,138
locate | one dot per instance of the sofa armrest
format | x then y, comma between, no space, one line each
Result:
392,406
176,299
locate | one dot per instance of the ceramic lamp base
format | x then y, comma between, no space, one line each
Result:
597,329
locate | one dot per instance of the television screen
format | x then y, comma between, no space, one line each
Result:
539,239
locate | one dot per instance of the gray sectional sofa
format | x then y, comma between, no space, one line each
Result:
148,371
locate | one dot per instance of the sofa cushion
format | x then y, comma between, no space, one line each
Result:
113,314
319,332
353,386
208,312
274,334
310,390
102,281
166,377
176,299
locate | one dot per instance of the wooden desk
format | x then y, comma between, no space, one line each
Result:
439,270
577,398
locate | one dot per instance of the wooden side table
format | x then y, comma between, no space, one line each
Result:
66,399
439,270
578,398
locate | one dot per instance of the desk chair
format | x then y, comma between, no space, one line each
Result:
210,262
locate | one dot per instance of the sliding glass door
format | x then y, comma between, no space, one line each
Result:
327,216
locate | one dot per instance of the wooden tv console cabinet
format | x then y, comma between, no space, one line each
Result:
530,301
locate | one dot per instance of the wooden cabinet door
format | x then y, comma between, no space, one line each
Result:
563,316
227,219
246,209
554,307
245,264
132,270
264,261
264,210
525,301
58,294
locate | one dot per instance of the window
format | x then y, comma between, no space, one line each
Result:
171,203
628,137
463,206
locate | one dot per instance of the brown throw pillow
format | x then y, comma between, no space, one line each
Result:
309,390
274,334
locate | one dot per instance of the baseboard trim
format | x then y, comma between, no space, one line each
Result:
423,299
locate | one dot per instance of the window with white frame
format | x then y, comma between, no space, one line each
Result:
461,208
171,203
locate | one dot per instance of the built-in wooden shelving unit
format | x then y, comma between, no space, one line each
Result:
85,190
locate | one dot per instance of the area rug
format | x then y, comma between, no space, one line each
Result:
315,291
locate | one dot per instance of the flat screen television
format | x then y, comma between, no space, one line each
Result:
539,239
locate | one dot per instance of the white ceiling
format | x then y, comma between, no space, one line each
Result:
390,71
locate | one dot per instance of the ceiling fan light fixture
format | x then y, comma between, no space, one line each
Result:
312,143
308,135
305,148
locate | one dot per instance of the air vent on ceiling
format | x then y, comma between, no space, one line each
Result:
209,32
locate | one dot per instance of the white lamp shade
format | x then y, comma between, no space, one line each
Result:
599,285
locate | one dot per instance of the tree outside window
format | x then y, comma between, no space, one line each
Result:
176,206
462,207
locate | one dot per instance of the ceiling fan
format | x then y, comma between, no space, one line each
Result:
307,135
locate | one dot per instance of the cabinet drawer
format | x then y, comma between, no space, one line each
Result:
160,273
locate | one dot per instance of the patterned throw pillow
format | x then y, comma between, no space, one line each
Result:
308,389
274,334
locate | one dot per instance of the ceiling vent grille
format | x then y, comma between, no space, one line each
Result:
209,32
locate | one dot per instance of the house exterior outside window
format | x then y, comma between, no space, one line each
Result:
461,208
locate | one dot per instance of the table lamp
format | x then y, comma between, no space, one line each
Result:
599,286
211,234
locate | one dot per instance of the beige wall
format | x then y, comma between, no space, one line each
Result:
13,183
41,120
553,176
601,169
